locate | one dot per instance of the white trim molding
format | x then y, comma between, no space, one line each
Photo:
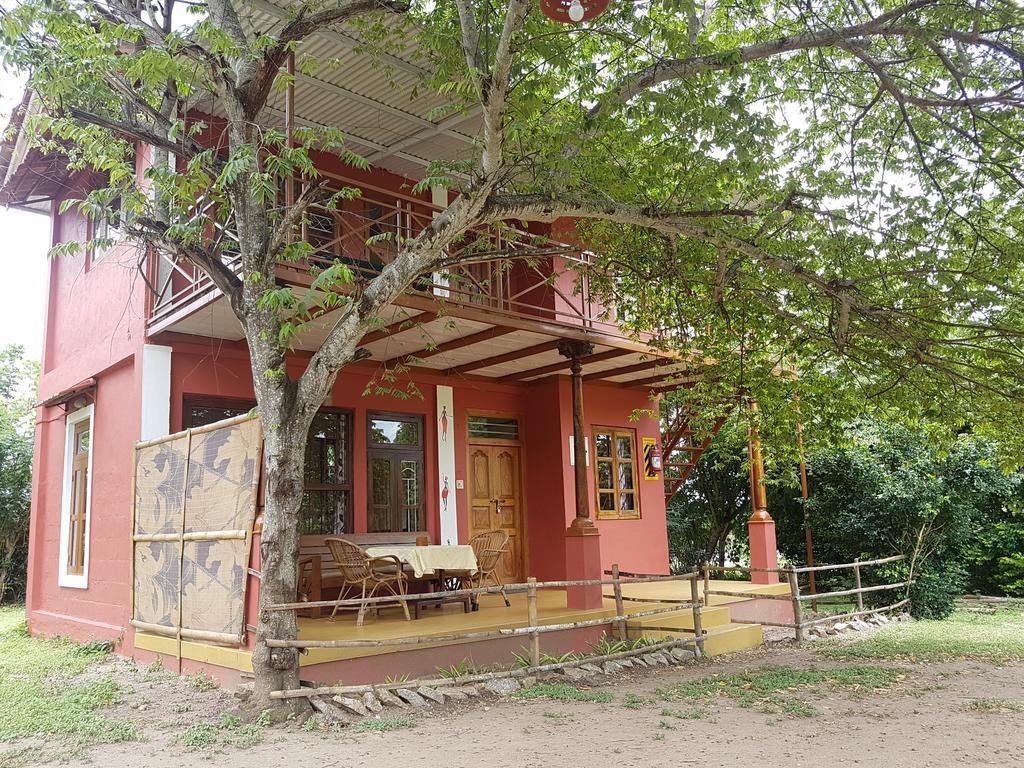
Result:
65,579
156,392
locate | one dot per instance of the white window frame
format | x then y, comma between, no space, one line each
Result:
65,579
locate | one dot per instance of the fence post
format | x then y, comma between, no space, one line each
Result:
531,614
794,590
856,578
707,583
620,626
698,630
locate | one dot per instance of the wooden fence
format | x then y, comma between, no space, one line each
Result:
797,598
533,629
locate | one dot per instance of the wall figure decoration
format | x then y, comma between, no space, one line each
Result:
446,495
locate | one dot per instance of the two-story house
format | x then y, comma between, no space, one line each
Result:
138,346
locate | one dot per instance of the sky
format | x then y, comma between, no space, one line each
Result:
24,241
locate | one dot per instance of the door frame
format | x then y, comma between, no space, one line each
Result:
524,557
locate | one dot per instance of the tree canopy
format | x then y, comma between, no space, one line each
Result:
832,188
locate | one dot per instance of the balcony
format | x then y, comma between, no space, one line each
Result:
500,314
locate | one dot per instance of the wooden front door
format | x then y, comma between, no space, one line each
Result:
495,501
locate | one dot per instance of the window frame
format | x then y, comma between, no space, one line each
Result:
190,402
396,453
112,223
65,578
618,513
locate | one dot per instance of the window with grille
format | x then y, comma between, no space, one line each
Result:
615,473
327,493
395,466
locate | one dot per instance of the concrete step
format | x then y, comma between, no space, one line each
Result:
709,617
720,639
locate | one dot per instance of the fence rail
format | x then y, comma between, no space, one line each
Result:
533,628
796,598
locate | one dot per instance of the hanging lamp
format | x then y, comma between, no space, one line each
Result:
572,11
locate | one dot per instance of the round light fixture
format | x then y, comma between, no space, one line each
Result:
572,11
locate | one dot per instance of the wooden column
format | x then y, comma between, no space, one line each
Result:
582,539
289,129
760,526
576,351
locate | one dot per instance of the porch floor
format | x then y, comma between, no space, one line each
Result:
723,636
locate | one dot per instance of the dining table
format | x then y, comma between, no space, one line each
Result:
435,563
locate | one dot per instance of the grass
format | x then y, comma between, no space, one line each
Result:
779,689
383,725
562,692
690,713
230,731
41,696
996,706
455,671
997,636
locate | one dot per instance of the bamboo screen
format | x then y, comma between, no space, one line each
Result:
195,504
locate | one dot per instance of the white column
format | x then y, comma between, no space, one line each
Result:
439,199
446,465
156,391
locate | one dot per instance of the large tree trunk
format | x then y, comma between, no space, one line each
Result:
278,668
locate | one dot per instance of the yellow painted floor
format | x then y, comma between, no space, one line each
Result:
723,636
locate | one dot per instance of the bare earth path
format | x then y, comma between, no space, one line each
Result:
926,719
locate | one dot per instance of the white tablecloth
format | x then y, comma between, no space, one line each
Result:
427,561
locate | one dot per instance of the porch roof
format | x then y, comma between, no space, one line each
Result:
472,344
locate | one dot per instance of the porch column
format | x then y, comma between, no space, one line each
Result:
582,538
760,526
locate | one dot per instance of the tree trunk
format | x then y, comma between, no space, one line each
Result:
278,668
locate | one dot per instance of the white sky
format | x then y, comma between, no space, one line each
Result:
24,241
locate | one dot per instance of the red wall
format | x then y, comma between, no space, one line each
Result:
545,416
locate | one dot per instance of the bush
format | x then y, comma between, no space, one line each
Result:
895,491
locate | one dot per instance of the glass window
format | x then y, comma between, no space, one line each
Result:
490,427
615,474
395,458
385,431
327,496
74,522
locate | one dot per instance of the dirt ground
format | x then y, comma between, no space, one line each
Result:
926,719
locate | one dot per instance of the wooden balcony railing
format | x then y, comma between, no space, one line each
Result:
502,269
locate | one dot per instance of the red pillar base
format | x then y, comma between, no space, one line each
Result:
763,550
583,562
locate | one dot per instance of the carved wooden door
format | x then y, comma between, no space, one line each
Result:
495,500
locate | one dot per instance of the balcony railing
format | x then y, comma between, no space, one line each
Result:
500,269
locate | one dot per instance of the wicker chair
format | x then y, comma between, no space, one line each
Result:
488,548
369,574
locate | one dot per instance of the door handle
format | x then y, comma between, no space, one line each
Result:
497,505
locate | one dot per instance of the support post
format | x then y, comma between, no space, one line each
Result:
620,626
794,591
856,578
760,526
805,494
582,538
531,617
707,584
289,127
698,629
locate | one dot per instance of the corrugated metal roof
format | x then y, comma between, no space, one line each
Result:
378,100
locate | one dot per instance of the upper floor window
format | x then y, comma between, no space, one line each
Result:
615,473
105,232
76,500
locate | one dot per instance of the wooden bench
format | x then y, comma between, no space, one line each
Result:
317,570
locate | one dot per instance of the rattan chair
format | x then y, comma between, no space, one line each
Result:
488,547
369,574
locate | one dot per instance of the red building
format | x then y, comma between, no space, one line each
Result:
138,346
